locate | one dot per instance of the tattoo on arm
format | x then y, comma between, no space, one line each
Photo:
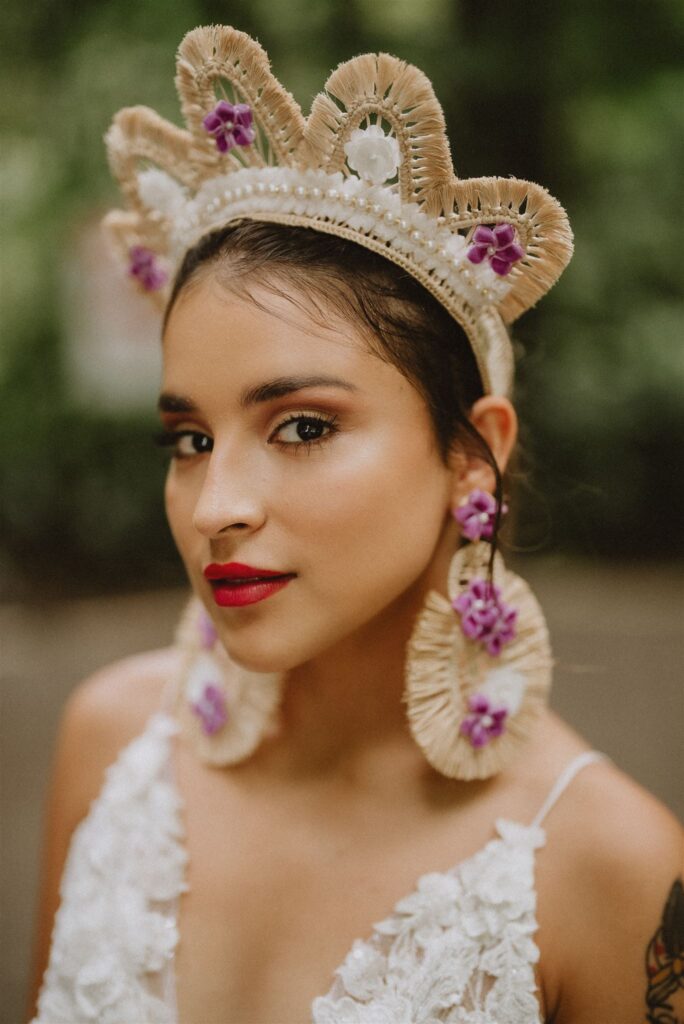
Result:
665,963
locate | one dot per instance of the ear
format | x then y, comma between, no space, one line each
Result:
495,420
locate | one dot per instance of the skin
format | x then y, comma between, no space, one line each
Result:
333,819
377,535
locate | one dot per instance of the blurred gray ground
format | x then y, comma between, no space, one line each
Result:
617,635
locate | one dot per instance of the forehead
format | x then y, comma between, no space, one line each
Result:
206,309
212,330
220,348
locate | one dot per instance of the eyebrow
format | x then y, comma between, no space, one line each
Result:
169,402
265,392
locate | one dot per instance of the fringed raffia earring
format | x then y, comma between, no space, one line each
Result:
478,667
223,710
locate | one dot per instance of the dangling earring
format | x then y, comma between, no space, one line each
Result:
476,515
478,666
224,710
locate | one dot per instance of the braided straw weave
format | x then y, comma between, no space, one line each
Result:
252,698
444,668
178,186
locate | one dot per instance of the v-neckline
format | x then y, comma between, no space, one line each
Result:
535,837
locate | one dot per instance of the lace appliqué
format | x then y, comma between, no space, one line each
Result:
458,950
116,931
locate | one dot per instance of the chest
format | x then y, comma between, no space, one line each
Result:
276,900
279,893
262,949
273,908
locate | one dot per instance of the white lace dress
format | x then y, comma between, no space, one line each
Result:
459,949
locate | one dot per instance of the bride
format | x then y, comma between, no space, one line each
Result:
340,795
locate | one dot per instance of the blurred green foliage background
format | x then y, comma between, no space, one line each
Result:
583,96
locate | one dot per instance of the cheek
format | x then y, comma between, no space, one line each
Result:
373,526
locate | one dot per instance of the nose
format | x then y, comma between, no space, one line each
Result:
230,498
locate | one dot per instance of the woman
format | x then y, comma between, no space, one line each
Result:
329,728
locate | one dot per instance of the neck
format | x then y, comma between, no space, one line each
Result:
344,708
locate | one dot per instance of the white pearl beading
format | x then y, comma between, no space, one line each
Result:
370,210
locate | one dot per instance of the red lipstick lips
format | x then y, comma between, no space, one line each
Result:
235,584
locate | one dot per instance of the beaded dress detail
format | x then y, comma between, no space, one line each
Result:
459,949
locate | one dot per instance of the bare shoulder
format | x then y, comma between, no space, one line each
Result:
624,825
603,813
606,821
612,857
102,714
121,695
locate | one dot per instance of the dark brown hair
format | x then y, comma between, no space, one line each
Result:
401,321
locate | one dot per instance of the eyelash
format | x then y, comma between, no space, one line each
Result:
317,442
170,438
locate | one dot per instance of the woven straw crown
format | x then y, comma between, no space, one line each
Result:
371,163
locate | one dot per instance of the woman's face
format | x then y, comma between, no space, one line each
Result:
337,482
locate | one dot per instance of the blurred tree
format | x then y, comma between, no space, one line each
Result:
585,97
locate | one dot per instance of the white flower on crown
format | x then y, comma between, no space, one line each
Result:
456,247
373,155
159,191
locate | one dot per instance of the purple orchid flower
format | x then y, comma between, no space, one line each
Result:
211,709
207,631
498,245
477,515
144,267
231,125
485,722
485,618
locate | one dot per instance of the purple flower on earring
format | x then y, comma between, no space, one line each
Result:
485,618
144,267
207,631
477,514
231,125
498,245
485,721
211,709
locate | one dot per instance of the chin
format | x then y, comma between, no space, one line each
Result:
263,656
275,649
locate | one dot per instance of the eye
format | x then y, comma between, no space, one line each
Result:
185,443
305,431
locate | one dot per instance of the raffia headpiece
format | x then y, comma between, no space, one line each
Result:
371,163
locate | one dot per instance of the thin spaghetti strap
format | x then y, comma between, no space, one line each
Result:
565,778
